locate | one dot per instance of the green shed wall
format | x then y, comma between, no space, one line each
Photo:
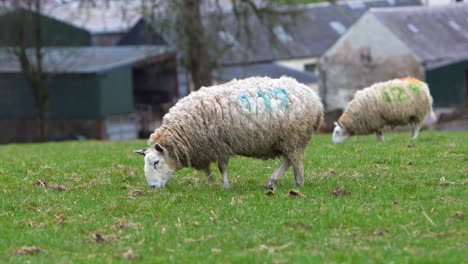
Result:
448,84
74,96
54,32
15,97
91,96
116,92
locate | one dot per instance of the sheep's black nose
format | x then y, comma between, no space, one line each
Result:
152,186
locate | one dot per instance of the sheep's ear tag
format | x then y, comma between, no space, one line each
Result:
160,149
142,152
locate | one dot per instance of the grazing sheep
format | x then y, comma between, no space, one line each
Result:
392,103
255,117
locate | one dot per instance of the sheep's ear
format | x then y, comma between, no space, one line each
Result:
142,152
337,124
161,149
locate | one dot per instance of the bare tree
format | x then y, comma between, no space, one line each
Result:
196,58
25,44
187,23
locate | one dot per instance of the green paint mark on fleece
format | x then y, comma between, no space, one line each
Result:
386,97
400,93
415,88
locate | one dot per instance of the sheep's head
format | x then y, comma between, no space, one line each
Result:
340,134
159,166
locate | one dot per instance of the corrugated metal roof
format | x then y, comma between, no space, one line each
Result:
263,69
436,34
309,30
85,59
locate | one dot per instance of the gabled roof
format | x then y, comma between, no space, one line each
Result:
85,59
263,69
436,34
297,32
142,34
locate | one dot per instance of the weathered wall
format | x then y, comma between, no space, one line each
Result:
366,54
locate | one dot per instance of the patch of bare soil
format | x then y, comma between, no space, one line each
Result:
27,250
340,192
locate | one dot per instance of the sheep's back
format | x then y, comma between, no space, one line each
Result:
394,103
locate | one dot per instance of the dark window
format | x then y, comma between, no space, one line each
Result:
312,67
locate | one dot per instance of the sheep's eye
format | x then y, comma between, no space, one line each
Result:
155,163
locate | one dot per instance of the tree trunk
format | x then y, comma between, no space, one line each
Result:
197,59
38,78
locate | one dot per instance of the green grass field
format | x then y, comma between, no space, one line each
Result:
401,201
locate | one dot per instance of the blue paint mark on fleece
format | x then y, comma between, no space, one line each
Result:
281,94
278,94
245,100
266,100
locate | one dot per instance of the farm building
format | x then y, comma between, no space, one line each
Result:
429,43
54,32
95,92
295,36
290,40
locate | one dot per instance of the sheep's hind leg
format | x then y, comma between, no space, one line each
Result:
209,174
297,161
274,178
380,136
223,168
415,130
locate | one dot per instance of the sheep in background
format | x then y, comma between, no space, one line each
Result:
255,117
392,103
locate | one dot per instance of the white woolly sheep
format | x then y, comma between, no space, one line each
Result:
392,103
255,117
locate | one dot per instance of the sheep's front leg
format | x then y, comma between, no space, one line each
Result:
223,168
380,136
415,130
277,174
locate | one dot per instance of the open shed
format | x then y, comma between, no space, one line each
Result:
95,92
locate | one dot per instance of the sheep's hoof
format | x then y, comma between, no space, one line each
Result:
299,183
270,185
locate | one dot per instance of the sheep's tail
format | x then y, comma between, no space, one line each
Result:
318,123
432,115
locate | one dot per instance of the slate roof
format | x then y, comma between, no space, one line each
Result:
263,69
86,59
437,35
297,32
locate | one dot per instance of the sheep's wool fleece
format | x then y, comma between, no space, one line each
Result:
395,103
256,117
